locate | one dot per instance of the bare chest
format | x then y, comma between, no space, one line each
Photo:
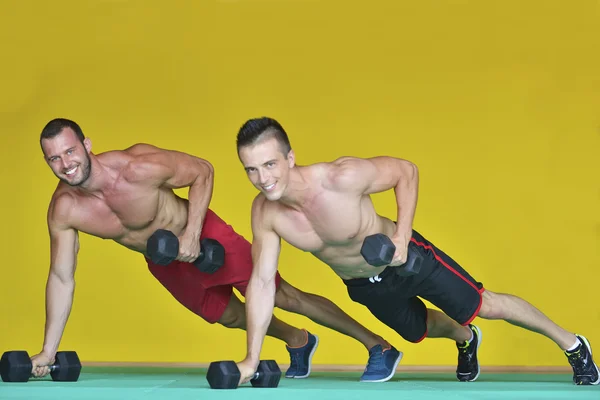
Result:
124,210
325,223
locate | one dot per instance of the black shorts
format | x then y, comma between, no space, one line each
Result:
395,301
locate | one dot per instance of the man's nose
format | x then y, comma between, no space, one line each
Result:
262,177
65,162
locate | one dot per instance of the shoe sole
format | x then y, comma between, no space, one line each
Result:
310,356
479,336
387,378
587,344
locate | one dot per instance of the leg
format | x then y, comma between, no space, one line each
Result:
383,357
519,312
324,312
439,325
463,298
216,304
234,317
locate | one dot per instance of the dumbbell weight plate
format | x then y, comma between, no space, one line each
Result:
223,375
68,367
268,374
15,366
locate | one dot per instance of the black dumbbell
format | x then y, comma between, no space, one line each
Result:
378,250
16,366
163,248
226,375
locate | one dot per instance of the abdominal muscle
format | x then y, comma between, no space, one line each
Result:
171,215
335,237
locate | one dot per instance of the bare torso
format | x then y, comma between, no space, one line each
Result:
331,225
129,210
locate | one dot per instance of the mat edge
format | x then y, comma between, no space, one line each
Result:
347,368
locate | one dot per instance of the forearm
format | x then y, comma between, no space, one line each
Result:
200,194
407,191
59,299
260,300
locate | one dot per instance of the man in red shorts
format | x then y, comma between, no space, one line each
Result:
126,196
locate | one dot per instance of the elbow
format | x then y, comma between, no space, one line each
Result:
65,280
209,169
413,170
263,284
410,172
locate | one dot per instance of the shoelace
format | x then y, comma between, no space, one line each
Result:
465,353
376,358
294,360
576,362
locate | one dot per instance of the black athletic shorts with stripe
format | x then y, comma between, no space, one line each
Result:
394,299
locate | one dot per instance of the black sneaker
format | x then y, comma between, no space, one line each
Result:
468,366
585,371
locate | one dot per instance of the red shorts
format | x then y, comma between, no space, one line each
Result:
207,295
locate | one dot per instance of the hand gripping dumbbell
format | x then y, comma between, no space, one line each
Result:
226,375
163,248
16,366
378,250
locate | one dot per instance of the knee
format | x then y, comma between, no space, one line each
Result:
289,298
234,316
492,306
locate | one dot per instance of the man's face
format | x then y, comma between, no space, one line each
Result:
68,158
266,167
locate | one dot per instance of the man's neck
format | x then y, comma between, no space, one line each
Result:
98,179
299,190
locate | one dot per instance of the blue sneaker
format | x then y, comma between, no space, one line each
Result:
301,357
382,364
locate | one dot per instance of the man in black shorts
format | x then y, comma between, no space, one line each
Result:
326,209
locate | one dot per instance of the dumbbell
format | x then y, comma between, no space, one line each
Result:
226,375
163,247
378,250
16,366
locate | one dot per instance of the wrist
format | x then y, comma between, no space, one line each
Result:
252,361
404,232
49,352
193,233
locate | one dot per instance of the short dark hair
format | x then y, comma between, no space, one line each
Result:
56,126
257,129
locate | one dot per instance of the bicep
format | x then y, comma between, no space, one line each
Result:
64,245
266,246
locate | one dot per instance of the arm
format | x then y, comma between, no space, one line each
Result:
60,286
174,170
260,294
379,174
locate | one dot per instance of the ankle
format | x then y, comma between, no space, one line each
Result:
574,346
465,335
377,340
300,339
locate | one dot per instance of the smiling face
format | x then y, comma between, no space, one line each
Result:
267,167
68,157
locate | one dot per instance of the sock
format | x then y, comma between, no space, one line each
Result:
575,346
469,340
472,336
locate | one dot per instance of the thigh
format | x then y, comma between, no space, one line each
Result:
184,283
237,269
388,302
447,285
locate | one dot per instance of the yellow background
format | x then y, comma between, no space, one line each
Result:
498,103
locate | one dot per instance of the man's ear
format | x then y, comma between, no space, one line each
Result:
87,143
291,157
